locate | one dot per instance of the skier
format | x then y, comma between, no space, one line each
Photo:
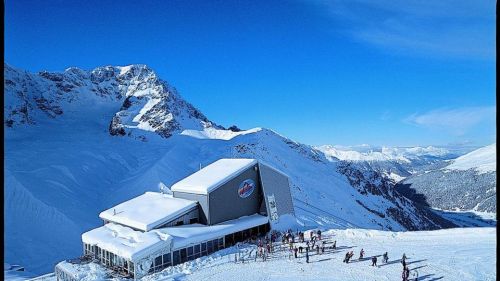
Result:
323,248
307,255
334,246
374,261
403,261
300,249
361,254
319,234
406,273
295,252
346,259
385,258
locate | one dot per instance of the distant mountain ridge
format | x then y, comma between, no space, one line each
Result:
395,163
467,183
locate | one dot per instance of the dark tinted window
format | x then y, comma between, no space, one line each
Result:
210,249
183,255
158,261
196,249
190,251
203,246
176,257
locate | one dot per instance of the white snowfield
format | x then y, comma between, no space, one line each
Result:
148,210
212,176
213,133
453,254
483,160
465,254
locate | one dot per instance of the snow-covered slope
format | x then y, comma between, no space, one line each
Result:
466,254
79,142
432,255
482,160
468,183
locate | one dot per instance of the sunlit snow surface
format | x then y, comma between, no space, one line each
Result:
454,254
483,160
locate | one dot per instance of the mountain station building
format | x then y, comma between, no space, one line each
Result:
226,202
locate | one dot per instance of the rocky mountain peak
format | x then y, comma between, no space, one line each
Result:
140,100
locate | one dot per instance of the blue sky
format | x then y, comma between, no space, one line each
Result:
320,72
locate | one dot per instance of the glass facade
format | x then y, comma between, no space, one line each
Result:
109,259
178,256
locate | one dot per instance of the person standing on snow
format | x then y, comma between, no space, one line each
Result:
346,256
403,261
295,252
334,246
319,234
307,255
374,261
385,258
406,274
361,254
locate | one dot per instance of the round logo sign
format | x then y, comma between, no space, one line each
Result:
246,188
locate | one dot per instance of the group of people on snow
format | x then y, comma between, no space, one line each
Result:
315,242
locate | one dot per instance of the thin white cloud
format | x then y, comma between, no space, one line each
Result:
457,121
447,28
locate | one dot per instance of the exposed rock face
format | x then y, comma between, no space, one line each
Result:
141,101
370,182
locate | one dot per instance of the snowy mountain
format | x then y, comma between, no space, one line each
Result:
467,183
145,102
395,163
78,142
483,160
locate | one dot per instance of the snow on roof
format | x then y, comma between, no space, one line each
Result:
134,245
213,176
148,211
126,242
185,235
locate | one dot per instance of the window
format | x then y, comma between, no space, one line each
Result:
183,255
176,257
215,244
189,251
194,220
210,249
221,243
204,247
158,261
167,259
197,249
